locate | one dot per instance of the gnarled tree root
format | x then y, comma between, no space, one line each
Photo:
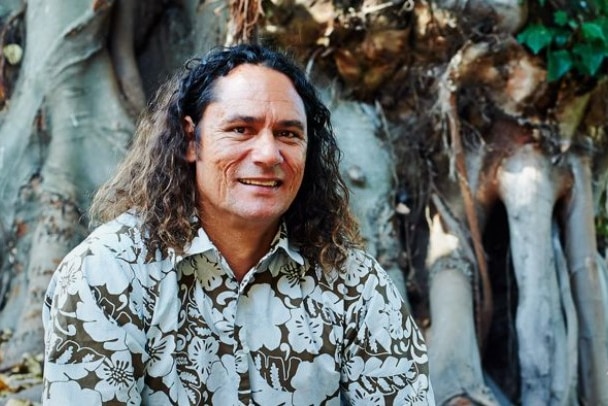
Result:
581,252
529,186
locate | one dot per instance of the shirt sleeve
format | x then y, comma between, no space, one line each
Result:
384,357
94,338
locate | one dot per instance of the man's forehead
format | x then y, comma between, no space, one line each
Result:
248,89
248,77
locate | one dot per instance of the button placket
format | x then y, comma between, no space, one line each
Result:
241,350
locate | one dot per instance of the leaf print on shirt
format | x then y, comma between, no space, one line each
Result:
131,248
261,304
276,370
312,382
415,394
217,315
389,365
379,320
417,346
305,333
85,396
395,324
396,375
70,352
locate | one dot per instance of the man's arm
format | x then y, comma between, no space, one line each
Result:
94,340
385,357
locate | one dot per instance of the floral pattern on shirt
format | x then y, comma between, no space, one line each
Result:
126,327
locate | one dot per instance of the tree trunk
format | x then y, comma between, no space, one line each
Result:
78,138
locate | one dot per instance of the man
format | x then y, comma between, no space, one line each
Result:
228,270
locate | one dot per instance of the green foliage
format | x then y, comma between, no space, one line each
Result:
601,221
601,227
572,39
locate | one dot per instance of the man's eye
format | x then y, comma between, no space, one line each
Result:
240,130
288,134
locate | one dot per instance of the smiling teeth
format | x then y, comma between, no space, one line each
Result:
269,183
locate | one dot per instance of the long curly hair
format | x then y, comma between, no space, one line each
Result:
158,183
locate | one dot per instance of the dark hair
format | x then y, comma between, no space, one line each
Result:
157,181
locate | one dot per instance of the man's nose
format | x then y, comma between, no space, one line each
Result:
266,150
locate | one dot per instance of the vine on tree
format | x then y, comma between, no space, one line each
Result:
572,38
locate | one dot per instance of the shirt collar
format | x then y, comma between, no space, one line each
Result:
201,244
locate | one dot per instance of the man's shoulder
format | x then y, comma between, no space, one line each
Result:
357,257
124,229
112,239
115,250
362,266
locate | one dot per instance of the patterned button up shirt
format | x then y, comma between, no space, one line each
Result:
126,327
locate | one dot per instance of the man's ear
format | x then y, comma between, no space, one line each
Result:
189,131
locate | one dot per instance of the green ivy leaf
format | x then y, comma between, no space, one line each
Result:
590,57
603,22
592,30
536,37
561,18
561,37
558,64
600,5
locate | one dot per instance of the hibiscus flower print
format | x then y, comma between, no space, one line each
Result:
360,397
262,304
69,277
116,377
354,368
203,353
159,349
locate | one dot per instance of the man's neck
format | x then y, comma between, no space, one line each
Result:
242,247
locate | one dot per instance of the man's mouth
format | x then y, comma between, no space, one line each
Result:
257,182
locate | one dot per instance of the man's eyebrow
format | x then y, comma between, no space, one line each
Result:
251,119
292,123
241,118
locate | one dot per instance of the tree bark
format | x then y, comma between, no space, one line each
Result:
368,168
581,251
529,189
82,130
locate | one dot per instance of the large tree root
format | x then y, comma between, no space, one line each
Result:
561,321
581,251
529,188
454,356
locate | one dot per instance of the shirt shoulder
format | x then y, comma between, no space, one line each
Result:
113,258
361,266
109,269
119,240
362,279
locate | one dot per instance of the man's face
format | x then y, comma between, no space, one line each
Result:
253,140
